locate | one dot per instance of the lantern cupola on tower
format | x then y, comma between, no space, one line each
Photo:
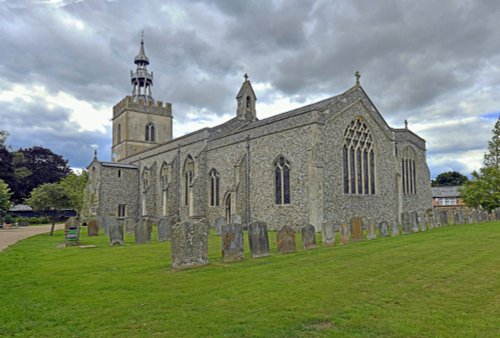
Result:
141,79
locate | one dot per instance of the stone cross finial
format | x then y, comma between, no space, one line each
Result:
357,75
406,124
246,77
95,153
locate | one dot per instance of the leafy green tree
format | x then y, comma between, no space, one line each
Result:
492,155
75,186
4,198
51,198
483,190
3,137
449,179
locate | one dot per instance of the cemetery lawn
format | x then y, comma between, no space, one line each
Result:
441,283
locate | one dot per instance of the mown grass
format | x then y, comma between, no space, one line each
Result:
441,283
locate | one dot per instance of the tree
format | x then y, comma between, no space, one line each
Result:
492,155
75,186
6,167
4,198
483,190
50,198
34,167
3,136
449,179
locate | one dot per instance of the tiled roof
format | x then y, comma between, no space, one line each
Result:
445,191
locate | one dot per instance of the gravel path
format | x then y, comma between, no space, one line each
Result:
9,237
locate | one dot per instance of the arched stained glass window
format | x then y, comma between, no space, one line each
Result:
282,181
214,188
409,171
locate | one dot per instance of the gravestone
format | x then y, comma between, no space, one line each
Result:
285,239
101,223
405,223
235,218
92,228
356,229
443,218
163,229
258,239
189,244
449,217
414,221
115,230
143,231
72,231
383,229
328,234
129,225
219,222
422,224
308,236
457,218
232,242
429,219
371,229
497,213
345,232
394,229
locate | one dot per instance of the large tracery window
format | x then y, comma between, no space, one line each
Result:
214,188
409,171
358,156
150,132
282,181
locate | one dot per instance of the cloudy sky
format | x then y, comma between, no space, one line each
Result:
65,63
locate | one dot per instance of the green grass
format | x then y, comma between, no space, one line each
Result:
441,283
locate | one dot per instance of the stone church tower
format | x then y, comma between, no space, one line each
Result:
140,123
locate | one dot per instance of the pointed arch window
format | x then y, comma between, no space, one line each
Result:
145,179
282,181
150,132
188,177
214,188
358,157
248,102
409,171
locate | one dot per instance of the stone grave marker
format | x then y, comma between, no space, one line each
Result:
92,228
163,229
414,221
345,232
129,225
101,223
189,244
497,213
219,222
422,224
371,229
258,239
450,218
235,218
143,231
285,239
72,231
356,229
232,242
115,230
394,229
383,229
328,234
405,223
443,218
308,236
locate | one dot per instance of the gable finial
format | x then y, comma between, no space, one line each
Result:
406,124
95,154
246,77
357,75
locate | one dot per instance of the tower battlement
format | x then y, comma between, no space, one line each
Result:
128,103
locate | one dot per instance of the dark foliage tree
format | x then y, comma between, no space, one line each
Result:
34,167
6,167
492,155
448,179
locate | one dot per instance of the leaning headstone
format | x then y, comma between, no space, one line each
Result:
356,229
142,232
345,232
232,242
258,239
115,229
394,229
129,225
371,229
72,231
189,244
328,234
414,221
163,229
285,239
219,222
383,229
92,228
308,236
405,223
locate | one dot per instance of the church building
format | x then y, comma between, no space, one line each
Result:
324,162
